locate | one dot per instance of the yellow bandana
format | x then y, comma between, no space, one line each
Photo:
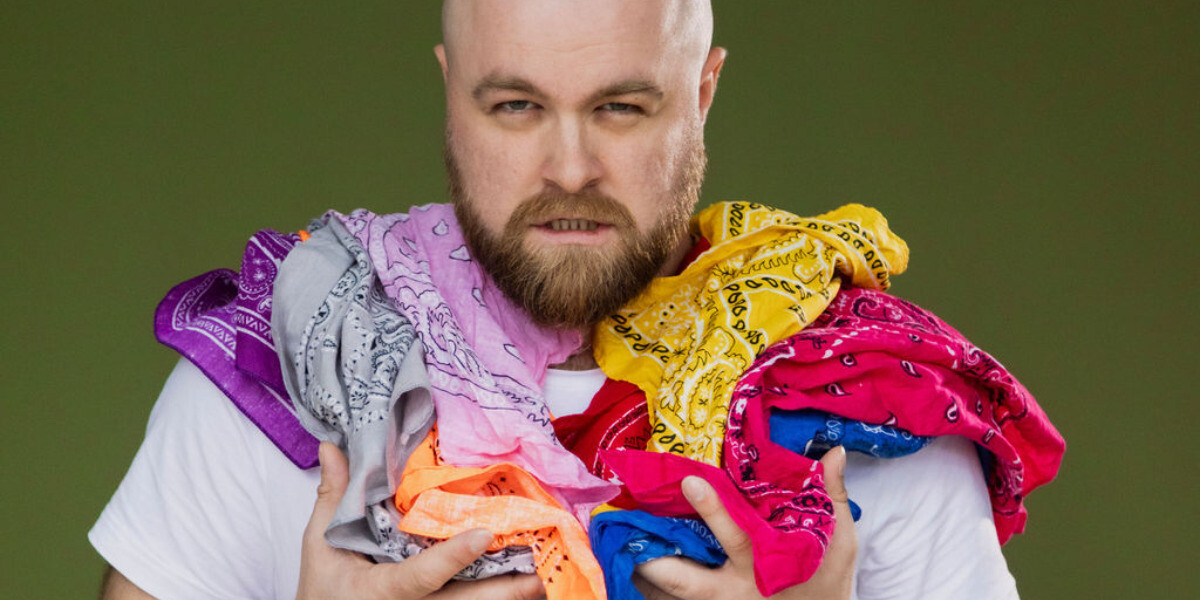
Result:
687,339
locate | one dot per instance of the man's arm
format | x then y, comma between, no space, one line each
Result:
927,526
116,587
205,513
327,572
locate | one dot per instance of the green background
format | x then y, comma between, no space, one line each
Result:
1040,158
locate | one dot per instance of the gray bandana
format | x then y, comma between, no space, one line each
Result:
354,369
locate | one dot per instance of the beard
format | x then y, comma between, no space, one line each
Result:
572,286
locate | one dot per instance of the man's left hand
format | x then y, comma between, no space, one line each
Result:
672,578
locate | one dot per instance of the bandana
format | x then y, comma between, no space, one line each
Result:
221,322
355,373
880,360
874,373
485,359
493,460
687,339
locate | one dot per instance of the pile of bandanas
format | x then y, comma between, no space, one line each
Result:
773,344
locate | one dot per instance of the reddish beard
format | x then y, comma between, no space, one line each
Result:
575,286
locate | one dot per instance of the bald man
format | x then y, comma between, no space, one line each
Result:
551,105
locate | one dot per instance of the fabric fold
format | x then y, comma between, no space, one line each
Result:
440,501
220,321
484,356
355,372
881,360
687,339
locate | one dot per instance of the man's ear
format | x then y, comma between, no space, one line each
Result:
708,79
440,51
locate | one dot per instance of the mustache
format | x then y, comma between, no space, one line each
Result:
555,203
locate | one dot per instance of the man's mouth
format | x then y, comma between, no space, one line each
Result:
572,225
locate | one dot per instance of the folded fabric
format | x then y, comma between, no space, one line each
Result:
811,433
768,432
687,339
221,322
439,500
485,358
355,372
881,360
623,539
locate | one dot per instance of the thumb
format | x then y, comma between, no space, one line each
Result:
844,545
834,463
335,477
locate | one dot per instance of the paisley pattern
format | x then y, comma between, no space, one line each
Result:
493,460
221,321
907,370
485,358
356,377
687,339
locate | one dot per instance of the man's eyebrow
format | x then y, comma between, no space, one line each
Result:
629,86
495,83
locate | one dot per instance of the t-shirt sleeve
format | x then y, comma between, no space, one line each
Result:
926,529
188,519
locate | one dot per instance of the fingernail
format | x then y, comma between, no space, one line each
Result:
479,540
840,460
694,488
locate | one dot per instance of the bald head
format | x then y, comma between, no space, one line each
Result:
680,29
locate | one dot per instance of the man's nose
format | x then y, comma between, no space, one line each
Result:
570,162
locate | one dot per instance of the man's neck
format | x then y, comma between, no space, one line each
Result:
583,360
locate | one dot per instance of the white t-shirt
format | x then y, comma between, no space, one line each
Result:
211,509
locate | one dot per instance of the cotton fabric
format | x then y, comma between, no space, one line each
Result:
484,357
687,339
221,321
202,520
881,360
355,372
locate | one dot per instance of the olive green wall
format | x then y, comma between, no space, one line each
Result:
1040,159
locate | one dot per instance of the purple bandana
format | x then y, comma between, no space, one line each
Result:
221,321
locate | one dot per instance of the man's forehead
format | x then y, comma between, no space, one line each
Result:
485,36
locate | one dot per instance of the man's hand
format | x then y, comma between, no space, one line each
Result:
673,578
328,572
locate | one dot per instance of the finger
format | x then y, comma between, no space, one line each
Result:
844,545
679,577
335,476
649,590
501,587
428,571
834,463
708,505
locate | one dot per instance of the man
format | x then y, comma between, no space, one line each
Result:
575,153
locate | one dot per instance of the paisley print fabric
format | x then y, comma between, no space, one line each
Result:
485,358
439,501
880,360
221,322
356,376
687,339
623,539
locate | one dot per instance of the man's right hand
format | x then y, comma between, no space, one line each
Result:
328,572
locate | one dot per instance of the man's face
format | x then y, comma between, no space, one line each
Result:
574,144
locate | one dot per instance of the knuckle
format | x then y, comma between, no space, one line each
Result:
677,585
739,544
423,581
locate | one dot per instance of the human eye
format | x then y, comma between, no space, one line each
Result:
621,108
514,107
